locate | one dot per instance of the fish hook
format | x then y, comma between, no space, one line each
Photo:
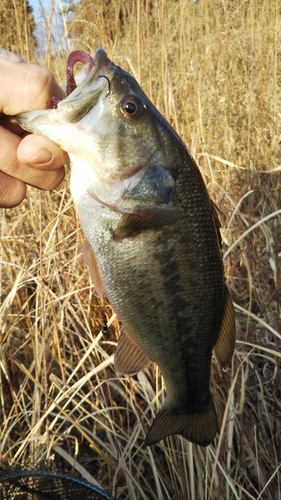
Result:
105,326
103,76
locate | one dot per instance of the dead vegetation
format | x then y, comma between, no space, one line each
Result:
213,69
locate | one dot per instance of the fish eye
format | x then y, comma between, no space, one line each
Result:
131,107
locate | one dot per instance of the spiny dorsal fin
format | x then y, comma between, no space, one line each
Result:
129,357
90,261
224,346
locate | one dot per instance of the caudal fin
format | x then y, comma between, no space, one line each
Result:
200,428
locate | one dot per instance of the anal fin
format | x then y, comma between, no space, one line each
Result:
225,344
129,357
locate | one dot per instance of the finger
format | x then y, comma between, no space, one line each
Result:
29,86
12,191
41,178
10,123
10,56
41,153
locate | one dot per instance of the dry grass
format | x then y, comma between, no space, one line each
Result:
213,69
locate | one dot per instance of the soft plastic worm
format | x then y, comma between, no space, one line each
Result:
73,58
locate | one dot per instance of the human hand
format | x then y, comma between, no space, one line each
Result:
25,159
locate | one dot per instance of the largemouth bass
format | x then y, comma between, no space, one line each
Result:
153,241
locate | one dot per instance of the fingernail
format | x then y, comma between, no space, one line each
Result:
42,158
10,56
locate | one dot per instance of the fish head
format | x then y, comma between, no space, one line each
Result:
116,139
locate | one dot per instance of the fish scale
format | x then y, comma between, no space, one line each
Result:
152,240
171,275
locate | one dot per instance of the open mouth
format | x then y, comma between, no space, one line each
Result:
84,77
84,89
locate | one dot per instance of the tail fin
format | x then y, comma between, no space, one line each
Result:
200,428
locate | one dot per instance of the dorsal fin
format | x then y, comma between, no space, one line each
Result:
90,261
224,346
129,357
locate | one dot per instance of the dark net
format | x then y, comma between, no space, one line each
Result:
46,485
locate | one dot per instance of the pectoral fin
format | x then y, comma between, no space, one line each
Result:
132,224
224,346
129,357
90,261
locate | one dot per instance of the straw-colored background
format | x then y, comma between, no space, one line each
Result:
213,69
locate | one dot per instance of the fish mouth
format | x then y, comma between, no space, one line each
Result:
89,87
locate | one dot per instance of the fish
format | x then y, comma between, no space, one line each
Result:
153,243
